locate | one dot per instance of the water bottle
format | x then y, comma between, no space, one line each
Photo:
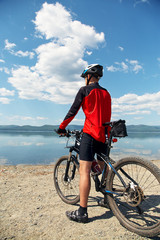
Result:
95,167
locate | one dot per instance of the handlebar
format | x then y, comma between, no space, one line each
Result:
69,133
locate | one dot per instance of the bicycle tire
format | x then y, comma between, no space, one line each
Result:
138,212
68,190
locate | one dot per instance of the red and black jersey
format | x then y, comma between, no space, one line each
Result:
96,105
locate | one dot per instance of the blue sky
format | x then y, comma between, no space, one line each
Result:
45,45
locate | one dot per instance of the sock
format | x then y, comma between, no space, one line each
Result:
82,210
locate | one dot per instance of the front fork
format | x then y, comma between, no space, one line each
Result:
71,159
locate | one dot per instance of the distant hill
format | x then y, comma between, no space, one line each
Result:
143,128
48,128
28,128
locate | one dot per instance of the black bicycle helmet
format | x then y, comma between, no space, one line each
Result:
95,70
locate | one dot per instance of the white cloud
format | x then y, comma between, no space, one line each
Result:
5,100
127,66
2,61
140,1
89,53
4,69
5,92
9,46
54,21
134,65
26,118
56,74
112,69
41,118
121,48
24,54
132,104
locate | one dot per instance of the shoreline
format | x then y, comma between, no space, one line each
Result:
155,161
30,209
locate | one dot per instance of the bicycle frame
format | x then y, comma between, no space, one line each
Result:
105,159
107,162
131,185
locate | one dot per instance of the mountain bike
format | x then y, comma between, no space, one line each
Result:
132,184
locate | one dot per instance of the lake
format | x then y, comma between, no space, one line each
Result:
46,148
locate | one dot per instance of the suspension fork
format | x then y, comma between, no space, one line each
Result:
67,168
71,158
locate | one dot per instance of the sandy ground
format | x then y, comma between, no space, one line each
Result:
31,209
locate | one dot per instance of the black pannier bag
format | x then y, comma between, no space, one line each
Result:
119,129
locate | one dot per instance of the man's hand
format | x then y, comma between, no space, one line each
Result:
61,131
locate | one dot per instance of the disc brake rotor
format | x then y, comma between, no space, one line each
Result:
133,197
65,183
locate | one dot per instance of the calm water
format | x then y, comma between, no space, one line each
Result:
46,148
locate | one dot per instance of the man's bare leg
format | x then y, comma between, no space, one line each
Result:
85,182
81,214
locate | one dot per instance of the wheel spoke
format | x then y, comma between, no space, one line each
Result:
138,208
67,190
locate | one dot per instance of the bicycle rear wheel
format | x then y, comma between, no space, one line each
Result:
137,207
67,185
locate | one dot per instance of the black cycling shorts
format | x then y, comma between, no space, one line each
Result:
89,146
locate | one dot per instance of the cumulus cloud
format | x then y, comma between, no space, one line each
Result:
9,46
4,94
4,69
5,100
54,21
132,104
56,74
24,54
126,66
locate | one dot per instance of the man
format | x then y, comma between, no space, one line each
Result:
96,104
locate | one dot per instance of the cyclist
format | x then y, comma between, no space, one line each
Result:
96,104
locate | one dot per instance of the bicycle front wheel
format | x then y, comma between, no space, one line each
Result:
137,205
66,183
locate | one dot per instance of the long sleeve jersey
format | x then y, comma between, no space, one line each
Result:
96,104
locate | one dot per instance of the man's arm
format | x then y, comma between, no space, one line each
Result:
73,110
